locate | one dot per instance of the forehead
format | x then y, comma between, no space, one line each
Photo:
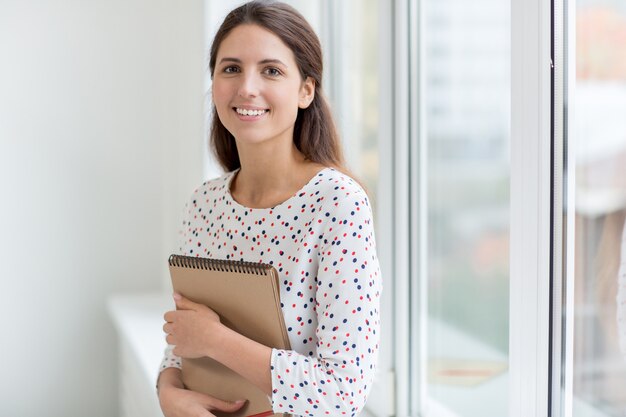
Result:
253,42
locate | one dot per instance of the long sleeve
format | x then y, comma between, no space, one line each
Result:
621,296
169,359
338,377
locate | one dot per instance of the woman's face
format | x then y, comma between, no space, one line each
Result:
257,87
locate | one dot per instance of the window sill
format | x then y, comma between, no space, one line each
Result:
138,319
489,398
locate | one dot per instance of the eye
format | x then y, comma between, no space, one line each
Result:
272,71
231,69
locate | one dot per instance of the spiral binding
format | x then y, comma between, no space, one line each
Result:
221,265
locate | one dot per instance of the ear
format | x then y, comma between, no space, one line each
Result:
307,93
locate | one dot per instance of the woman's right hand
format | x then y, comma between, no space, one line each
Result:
176,401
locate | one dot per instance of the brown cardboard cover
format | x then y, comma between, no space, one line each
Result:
246,296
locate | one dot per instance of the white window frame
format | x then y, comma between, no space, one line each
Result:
542,201
530,208
540,291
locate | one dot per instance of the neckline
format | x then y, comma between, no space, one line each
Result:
234,202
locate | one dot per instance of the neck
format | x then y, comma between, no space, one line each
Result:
268,165
270,175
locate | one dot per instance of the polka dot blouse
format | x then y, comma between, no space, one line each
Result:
321,242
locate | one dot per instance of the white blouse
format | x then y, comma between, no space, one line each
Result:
321,241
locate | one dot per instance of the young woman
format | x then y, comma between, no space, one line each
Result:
286,200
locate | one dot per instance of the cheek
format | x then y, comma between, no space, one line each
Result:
289,103
220,94
221,99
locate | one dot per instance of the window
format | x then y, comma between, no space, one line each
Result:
466,96
599,129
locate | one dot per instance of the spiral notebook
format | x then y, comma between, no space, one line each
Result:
247,298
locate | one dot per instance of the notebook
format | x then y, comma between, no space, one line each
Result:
246,296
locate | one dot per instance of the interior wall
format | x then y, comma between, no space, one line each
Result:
101,127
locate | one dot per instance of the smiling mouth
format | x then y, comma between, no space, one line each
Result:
249,112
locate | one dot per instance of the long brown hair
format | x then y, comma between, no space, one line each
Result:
315,133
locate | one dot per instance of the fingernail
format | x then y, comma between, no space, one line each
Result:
176,296
240,402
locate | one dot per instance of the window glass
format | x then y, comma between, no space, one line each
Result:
600,258
361,142
467,110
350,44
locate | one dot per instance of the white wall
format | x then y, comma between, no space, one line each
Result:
101,135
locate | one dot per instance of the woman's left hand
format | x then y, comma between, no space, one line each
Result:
191,328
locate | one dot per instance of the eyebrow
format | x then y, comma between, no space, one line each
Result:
264,61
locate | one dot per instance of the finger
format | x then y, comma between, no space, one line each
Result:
169,316
183,303
171,341
167,328
221,405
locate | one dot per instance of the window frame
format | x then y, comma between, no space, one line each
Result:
541,275
530,242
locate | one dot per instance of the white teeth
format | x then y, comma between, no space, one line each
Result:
245,112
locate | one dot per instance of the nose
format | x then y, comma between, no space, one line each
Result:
249,86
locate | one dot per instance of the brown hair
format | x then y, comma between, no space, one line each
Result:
315,133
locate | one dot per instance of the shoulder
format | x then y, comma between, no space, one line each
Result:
335,183
340,191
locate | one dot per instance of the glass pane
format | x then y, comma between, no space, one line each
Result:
362,141
352,84
600,133
467,100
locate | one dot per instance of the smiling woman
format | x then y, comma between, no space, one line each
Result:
286,200
293,55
